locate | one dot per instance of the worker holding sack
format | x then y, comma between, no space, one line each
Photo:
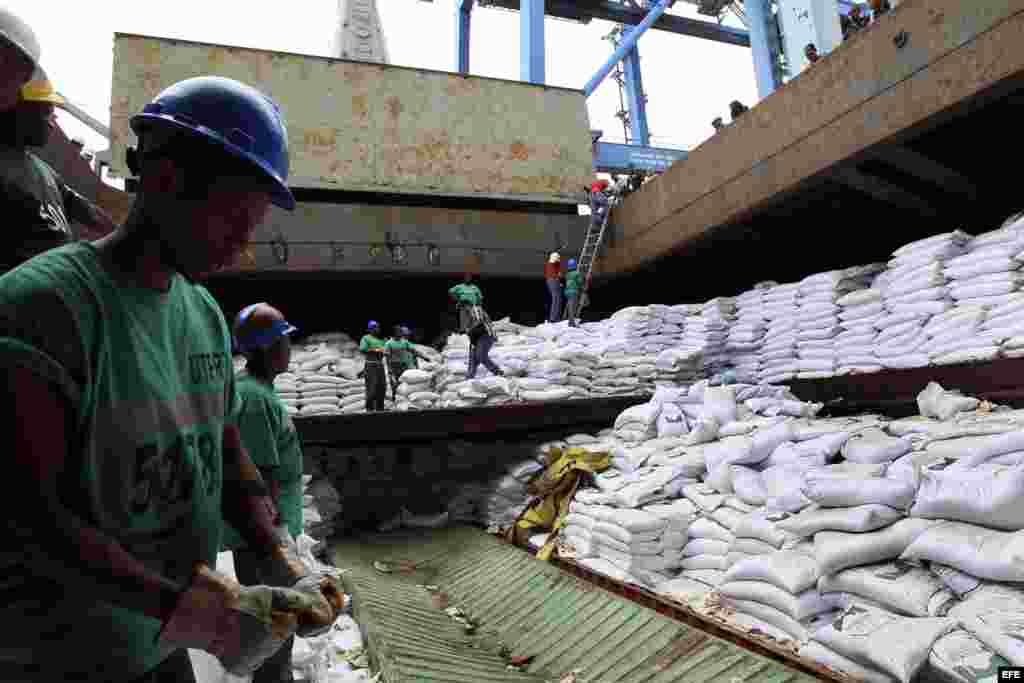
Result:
121,417
268,434
474,322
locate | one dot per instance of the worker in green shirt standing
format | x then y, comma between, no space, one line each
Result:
262,334
375,349
572,292
402,352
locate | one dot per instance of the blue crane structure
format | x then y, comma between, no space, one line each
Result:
762,36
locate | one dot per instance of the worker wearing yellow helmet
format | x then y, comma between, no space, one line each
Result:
40,208
19,57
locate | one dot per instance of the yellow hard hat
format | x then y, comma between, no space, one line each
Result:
41,90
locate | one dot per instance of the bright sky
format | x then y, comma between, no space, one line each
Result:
688,81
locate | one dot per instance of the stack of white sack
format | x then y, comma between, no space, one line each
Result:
644,544
506,496
416,390
707,330
819,320
914,289
321,506
1005,323
616,373
746,334
987,273
665,330
678,367
778,358
859,314
323,377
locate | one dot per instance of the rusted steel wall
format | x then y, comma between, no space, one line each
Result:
382,128
913,64
319,237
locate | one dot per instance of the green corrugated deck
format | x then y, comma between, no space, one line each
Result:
523,608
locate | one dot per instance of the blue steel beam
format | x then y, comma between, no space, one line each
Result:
463,19
624,14
764,45
635,100
531,41
627,44
612,157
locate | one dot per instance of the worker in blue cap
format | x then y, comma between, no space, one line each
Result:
121,420
572,292
373,346
262,334
402,352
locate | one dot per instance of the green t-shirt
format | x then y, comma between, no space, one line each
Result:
149,385
370,342
572,282
401,351
467,294
272,443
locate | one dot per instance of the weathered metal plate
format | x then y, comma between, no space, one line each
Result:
381,128
523,608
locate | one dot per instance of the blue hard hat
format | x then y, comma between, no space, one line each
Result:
728,377
236,117
372,324
405,330
257,327
572,264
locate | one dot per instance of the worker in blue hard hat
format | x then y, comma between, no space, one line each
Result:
268,434
374,348
403,353
573,286
121,420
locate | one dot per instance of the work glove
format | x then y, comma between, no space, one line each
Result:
242,626
283,566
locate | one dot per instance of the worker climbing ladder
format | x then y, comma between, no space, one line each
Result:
588,253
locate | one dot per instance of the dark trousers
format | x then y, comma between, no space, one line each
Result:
279,667
175,669
555,297
480,353
376,386
571,305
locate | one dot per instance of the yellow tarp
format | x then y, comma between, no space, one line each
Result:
553,491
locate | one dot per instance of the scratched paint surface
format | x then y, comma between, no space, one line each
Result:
373,127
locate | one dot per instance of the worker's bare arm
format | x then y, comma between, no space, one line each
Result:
65,548
247,504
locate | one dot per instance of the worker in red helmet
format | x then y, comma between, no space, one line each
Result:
599,201
262,334
121,418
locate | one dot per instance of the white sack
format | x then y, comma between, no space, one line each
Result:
790,570
862,518
985,553
897,645
989,498
835,492
797,607
837,550
898,585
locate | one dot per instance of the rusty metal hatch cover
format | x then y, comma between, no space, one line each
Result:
518,619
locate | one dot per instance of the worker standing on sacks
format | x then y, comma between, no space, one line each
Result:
402,352
40,207
474,322
19,57
375,349
572,292
121,418
552,277
262,334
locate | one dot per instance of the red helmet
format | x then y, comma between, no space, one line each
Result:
598,185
